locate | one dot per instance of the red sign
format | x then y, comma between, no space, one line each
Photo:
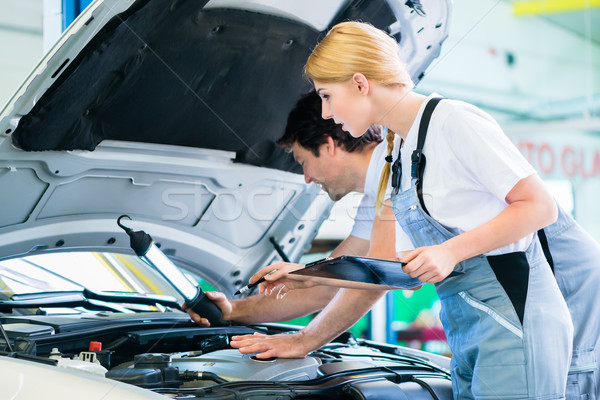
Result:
567,160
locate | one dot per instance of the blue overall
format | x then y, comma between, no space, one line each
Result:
575,257
505,319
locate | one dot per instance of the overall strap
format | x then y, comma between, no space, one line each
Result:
544,242
397,169
417,157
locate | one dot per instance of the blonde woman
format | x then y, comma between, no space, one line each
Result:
473,207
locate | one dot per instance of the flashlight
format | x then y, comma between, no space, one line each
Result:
195,299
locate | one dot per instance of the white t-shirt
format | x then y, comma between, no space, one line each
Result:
471,166
365,214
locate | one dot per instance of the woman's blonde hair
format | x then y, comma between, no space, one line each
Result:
357,47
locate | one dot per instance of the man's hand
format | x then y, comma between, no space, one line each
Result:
430,264
292,345
279,280
220,301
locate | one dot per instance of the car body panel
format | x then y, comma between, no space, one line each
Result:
24,380
168,111
117,120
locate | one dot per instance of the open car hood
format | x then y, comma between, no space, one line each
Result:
167,110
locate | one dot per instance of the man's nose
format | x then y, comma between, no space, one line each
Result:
307,178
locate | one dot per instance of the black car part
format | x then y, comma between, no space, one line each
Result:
194,296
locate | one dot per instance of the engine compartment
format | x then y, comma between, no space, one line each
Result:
191,369
168,354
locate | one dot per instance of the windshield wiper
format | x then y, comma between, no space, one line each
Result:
25,356
84,298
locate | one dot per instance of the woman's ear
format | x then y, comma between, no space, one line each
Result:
361,83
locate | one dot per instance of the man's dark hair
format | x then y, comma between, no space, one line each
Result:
306,127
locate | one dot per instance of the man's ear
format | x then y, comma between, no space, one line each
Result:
361,83
330,146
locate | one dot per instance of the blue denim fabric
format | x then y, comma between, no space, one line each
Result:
576,257
494,355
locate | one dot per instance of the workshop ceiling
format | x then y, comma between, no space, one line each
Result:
581,17
537,60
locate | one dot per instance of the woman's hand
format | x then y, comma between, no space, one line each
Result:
430,264
279,279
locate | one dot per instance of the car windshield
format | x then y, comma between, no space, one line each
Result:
75,271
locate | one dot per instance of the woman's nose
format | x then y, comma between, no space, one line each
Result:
326,112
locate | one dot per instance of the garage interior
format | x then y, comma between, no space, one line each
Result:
534,65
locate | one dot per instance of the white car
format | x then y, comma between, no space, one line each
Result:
167,111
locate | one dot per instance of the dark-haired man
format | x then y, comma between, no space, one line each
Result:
340,164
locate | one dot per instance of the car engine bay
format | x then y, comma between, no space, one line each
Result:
166,353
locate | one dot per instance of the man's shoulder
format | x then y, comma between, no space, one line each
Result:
376,165
380,152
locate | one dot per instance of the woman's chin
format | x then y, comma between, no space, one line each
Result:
354,134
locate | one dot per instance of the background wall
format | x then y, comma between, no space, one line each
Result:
21,42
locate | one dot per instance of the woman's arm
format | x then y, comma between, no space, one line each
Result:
530,208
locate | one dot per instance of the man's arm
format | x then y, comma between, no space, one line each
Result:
347,307
298,303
